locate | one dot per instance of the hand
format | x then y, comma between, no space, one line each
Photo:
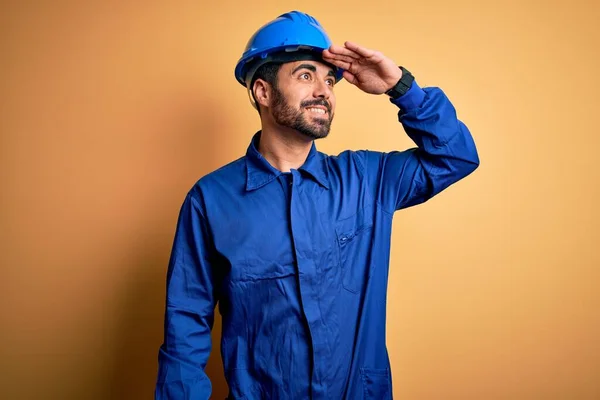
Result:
369,70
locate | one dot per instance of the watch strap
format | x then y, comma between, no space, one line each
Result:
403,84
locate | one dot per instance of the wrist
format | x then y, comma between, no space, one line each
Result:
411,100
402,85
394,80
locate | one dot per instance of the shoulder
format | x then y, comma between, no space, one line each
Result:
231,176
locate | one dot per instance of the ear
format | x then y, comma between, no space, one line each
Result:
262,92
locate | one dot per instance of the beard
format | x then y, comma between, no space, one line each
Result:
285,114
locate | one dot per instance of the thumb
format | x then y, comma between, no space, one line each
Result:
350,77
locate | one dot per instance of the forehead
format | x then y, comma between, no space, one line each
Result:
296,66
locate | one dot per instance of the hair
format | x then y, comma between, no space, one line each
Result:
268,73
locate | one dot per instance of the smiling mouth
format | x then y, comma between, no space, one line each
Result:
316,110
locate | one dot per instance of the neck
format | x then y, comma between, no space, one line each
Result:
284,149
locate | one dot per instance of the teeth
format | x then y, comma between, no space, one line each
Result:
317,110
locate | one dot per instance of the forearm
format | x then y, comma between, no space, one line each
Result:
445,154
446,149
183,356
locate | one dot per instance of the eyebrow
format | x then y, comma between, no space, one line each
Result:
310,67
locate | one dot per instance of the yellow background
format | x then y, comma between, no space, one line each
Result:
109,113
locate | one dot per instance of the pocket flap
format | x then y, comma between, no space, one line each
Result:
348,228
377,383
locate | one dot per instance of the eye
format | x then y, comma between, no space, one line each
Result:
305,76
330,82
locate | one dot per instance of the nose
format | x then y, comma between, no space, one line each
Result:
322,89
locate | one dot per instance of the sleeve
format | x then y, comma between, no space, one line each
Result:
445,152
190,303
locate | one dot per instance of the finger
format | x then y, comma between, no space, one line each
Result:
360,50
338,63
340,50
327,55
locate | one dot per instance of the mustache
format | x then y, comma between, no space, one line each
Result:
318,102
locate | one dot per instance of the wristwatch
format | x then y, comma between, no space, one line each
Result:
403,84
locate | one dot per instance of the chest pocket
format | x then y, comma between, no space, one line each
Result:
256,269
262,255
353,236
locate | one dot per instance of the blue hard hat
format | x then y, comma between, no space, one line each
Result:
294,31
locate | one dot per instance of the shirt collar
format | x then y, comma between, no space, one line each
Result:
260,172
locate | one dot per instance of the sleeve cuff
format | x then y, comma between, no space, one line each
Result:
411,99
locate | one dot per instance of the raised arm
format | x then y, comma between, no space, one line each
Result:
446,152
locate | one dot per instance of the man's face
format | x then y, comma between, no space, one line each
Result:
303,98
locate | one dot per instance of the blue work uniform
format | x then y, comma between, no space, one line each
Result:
298,263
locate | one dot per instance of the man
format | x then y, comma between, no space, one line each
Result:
292,244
